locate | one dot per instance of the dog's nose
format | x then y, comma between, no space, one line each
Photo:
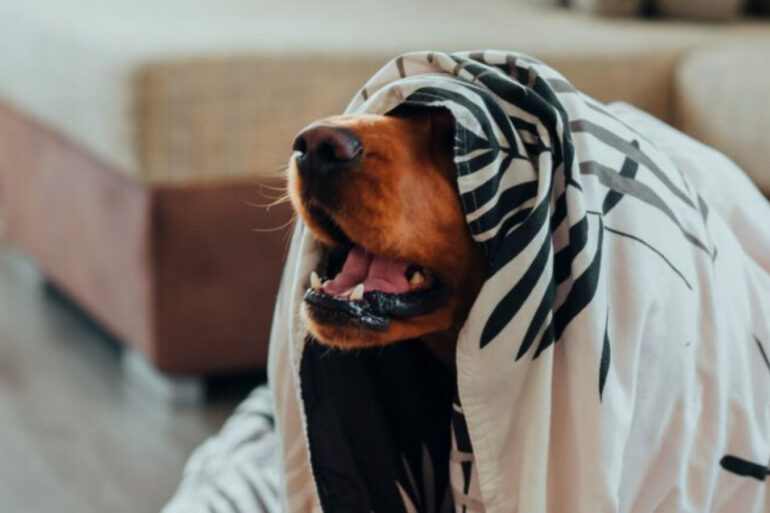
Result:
324,148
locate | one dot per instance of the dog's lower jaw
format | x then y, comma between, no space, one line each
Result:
351,336
442,344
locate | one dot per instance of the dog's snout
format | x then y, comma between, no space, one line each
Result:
323,148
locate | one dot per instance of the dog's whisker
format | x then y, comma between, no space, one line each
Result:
273,203
287,235
272,187
274,229
278,172
276,197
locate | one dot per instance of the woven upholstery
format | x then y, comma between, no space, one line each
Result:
209,119
188,91
723,98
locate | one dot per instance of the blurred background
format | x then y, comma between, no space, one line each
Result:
140,142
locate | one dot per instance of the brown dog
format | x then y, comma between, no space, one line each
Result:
380,193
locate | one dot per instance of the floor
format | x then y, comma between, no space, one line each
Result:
75,435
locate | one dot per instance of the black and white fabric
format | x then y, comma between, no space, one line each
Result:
616,358
237,471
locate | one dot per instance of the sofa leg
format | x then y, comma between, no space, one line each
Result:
175,390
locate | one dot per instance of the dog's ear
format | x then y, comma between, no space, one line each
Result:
442,124
440,119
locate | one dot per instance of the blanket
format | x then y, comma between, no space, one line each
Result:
616,358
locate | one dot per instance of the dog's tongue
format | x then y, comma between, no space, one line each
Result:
375,272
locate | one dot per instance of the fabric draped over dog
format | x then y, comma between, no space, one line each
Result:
616,358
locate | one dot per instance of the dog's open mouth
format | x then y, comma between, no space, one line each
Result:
357,287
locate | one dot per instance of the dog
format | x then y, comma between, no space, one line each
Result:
380,193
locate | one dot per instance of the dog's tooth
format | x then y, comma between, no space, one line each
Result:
315,281
358,293
417,279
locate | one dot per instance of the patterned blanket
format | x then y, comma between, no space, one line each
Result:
616,358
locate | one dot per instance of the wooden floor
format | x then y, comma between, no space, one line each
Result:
75,437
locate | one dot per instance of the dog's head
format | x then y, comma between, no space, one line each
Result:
379,192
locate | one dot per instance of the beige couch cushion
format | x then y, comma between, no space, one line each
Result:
197,90
723,98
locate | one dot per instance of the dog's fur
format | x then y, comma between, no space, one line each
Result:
398,200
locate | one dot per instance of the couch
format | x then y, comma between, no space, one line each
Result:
136,138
